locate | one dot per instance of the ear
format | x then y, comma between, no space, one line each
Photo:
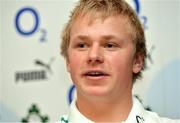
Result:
137,63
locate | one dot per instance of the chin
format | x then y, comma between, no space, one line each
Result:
96,91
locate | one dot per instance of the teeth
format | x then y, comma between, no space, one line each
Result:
95,74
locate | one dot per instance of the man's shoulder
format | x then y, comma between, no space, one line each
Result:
155,118
140,115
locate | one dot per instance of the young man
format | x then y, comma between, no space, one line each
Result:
104,47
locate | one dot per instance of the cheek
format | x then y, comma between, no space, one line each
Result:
121,64
74,62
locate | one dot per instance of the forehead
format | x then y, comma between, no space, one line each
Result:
116,23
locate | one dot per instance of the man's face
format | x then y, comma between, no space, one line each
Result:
101,57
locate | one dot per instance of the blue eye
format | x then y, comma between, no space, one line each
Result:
81,45
110,45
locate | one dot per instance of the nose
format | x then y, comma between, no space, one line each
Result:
95,54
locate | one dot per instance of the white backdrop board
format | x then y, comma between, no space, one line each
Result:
33,74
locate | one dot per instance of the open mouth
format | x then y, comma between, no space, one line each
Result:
95,74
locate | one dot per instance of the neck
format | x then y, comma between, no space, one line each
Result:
106,110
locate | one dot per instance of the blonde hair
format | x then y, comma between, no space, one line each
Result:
103,9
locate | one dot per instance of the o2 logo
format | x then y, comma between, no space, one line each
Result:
33,28
137,8
143,20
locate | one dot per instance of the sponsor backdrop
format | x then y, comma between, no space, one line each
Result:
34,83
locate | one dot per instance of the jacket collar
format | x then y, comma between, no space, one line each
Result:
136,115
75,116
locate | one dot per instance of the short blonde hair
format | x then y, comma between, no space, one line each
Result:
103,9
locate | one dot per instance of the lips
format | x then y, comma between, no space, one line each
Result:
95,73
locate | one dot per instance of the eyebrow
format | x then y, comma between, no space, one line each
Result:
104,37
83,37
